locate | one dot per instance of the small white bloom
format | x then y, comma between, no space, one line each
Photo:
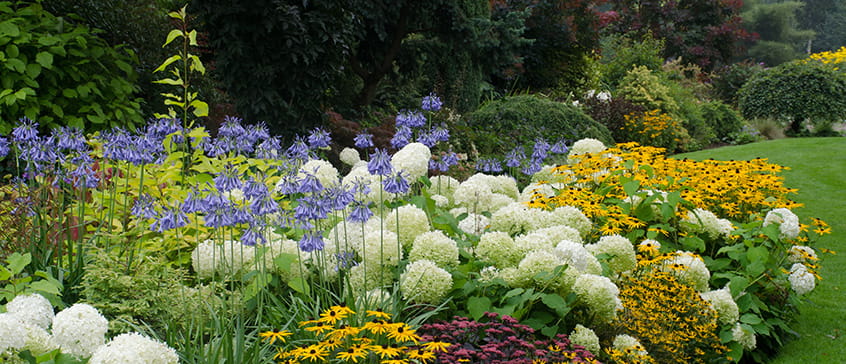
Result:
79,330
413,159
801,280
474,224
424,282
133,348
324,171
744,336
350,156
585,337
33,309
787,220
722,302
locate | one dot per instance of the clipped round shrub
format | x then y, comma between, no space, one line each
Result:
795,91
513,121
62,74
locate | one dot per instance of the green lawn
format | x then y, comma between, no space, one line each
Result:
818,170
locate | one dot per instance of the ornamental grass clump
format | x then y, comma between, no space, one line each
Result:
499,339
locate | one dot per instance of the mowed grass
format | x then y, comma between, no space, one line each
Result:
818,170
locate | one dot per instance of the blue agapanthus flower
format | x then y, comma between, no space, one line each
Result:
252,236
431,103
4,147
560,147
193,204
228,179
26,132
364,140
144,207
361,212
401,137
298,149
309,183
319,138
396,183
312,241
380,163
69,138
168,220
231,127
515,157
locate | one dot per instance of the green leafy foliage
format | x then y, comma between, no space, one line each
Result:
729,79
62,74
722,119
644,87
16,282
620,53
795,91
780,37
514,121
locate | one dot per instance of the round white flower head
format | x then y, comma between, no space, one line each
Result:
38,340
324,171
235,256
705,222
32,309
204,259
79,330
572,217
533,241
424,282
435,246
537,269
546,174
488,274
599,295
576,256
12,333
801,253
587,145
529,191
380,248
516,218
787,220
505,185
499,249
365,277
350,156
722,302
134,348
412,222
474,224
360,174
744,336
444,185
801,280
623,342
413,159
236,195
584,336
440,201
623,257
690,269
482,192
559,233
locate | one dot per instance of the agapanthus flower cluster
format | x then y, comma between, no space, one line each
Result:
500,339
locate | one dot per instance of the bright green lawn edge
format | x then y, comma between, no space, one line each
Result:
818,170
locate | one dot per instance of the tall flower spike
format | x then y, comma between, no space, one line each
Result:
4,147
168,220
361,212
26,132
431,103
312,241
380,163
401,137
144,207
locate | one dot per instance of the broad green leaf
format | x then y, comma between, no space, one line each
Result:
284,261
45,59
750,318
300,285
174,102
16,65
192,37
197,64
477,306
4,273
168,62
176,33
44,286
33,70
631,187
10,29
12,51
556,303
69,93
18,262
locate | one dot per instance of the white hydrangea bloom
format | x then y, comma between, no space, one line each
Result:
412,221
350,156
12,332
32,309
584,336
38,340
722,302
505,185
704,221
482,192
587,145
545,174
744,336
204,259
801,280
599,295
236,195
572,217
368,276
787,220
623,342
444,185
693,271
537,268
499,249
440,200
79,330
623,257
488,274
134,348
424,282
381,248
533,241
474,224
436,247
801,253
516,218
557,233
324,171
235,256
413,159
576,256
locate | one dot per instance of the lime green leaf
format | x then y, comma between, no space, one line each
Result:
169,81
174,102
44,286
45,59
176,33
201,108
16,65
631,187
197,65
300,285
192,37
168,62
10,29
4,273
